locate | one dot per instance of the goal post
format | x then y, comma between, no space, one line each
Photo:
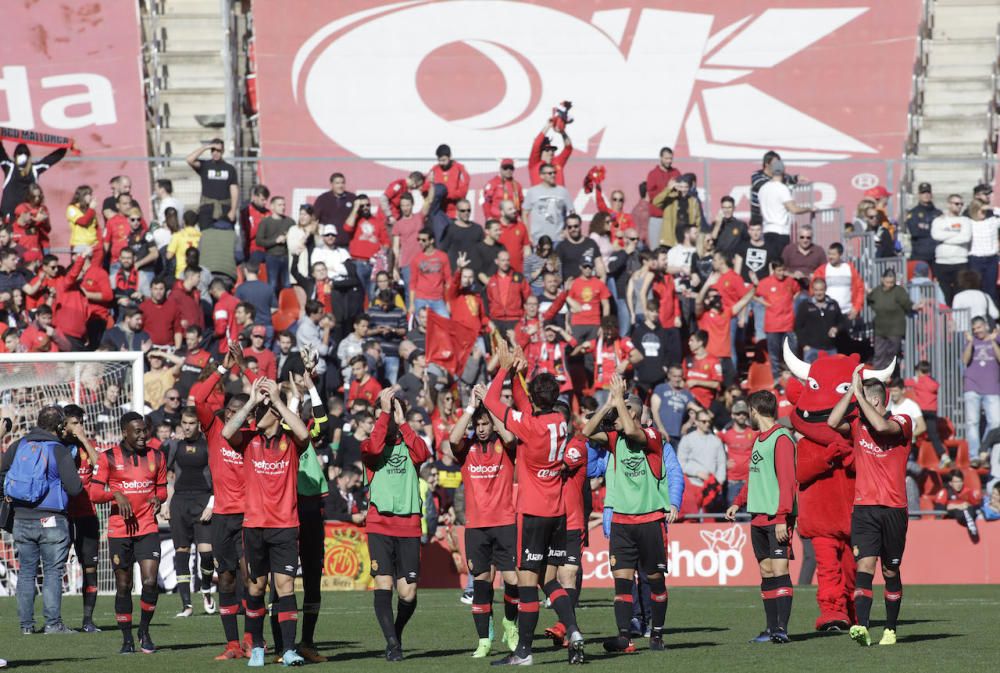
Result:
105,385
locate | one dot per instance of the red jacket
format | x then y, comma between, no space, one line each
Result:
506,295
656,181
465,307
369,235
71,310
559,161
456,179
188,306
222,318
160,321
250,219
394,193
670,303
498,190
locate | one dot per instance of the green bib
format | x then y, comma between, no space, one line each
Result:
762,491
312,481
631,487
394,488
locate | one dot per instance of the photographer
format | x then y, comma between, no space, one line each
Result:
39,485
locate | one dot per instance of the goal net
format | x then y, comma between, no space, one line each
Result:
105,385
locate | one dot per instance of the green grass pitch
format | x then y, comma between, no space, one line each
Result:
944,628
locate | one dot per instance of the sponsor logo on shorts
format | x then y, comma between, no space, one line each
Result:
412,575
528,556
290,569
156,554
557,552
572,560
374,565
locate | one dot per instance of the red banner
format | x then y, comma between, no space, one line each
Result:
699,555
73,69
380,85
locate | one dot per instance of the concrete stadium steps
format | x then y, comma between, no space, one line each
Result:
195,69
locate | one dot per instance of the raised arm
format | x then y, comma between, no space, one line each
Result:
231,430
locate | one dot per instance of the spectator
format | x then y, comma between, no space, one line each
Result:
899,403
160,378
390,199
161,316
363,384
164,193
575,248
11,277
195,359
953,233
891,304
342,503
660,348
547,205
760,178
453,176
258,294
20,173
702,372
267,364
334,207
369,237
500,188
429,272
803,258
353,344
218,250
670,404
971,300
589,301
681,209
983,256
817,323
918,223
128,334
288,358
738,438
220,193
41,529
778,208
82,218
730,233
613,355
622,263
506,292
658,179
924,391
701,453
960,502
539,263
878,224
182,241
514,235
544,152
844,284
250,218
272,236
188,300
981,382
777,293
388,327
404,237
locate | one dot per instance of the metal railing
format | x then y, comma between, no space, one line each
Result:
153,84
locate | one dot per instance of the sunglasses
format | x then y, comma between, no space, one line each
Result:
617,200
702,420
547,173
805,238
173,399
572,226
465,210
135,219
506,168
632,238
957,203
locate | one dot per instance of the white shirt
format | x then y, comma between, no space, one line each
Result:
984,237
838,286
954,236
979,304
907,407
777,219
680,257
169,202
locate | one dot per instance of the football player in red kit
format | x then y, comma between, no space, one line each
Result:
541,512
271,521
879,520
134,479
84,526
487,460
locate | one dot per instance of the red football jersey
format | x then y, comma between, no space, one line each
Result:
539,453
139,476
575,481
367,391
739,446
488,475
881,463
226,466
705,369
81,504
654,456
271,474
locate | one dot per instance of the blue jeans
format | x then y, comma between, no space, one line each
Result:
277,272
391,364
774,350
758,320
733,489
810,354
50,545
145,282
404,274
974,404
624,317
655,228
364,270
986,267
439,306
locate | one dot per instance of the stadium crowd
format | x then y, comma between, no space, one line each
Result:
358,303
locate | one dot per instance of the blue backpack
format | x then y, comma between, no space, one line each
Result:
27,480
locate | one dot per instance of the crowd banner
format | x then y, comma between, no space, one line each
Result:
714,81
699,554
71,76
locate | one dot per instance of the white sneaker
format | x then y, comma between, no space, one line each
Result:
466,598
210,608
186,612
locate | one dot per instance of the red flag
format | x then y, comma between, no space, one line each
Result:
449,343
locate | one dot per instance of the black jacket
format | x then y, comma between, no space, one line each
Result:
813,323
918,223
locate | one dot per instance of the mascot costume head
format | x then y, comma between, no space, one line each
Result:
825,472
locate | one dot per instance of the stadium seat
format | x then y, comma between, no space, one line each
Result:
759,376
288,310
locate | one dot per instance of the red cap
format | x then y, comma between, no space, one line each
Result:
506,162
879,192
258,330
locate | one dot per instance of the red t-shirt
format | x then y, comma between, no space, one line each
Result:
731,288
588,292
718,324
81,505
881,463
670,305
430,273
139,476
513,238
539,453
576,481
368,391
369,236
925,393
705,369
488,475
780,296
271,475
607,357
739,446
654,456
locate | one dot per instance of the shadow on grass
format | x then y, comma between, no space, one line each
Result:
918,637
